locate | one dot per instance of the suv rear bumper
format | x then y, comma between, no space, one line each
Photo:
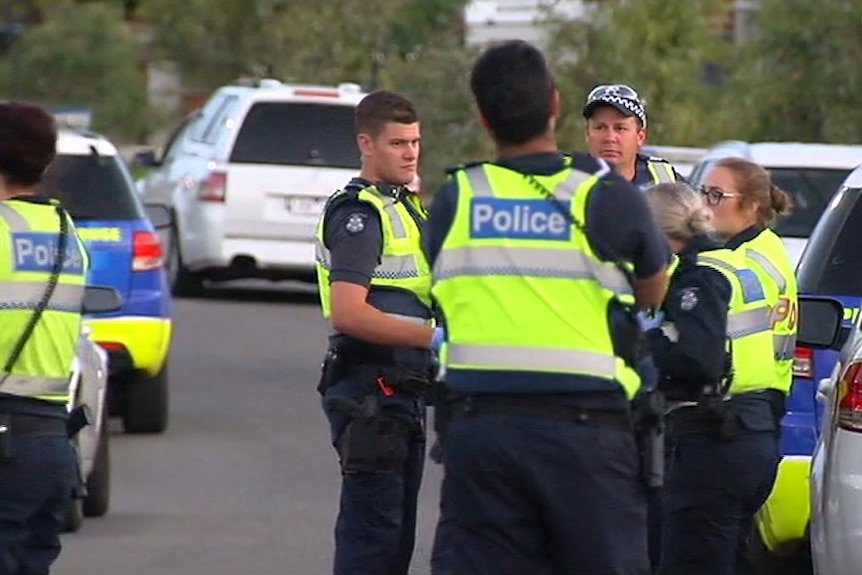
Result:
783,519
236,258
133,342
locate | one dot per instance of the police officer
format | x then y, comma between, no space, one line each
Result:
41,297
746,203
541,466
713,348
375,289
617,129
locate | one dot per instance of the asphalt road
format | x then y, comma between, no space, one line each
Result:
244,481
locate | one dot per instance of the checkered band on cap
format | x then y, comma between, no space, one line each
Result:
635,108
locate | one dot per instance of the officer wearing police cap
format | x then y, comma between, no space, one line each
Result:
617,129
540,460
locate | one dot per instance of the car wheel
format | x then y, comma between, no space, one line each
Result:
765,562
183,282
74,515
99,482
145,407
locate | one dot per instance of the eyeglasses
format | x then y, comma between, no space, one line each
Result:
714,195
618,90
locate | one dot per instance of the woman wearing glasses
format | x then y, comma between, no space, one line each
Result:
746,203
708,343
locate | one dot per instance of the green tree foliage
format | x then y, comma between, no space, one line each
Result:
802,79
82,56
659,47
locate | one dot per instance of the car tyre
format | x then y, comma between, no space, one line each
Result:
765,562
146,402
99,482
183,282
74,515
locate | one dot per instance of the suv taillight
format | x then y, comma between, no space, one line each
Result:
803,363
147,254
850,402
213,188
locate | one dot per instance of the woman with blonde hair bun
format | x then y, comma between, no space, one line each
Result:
707,341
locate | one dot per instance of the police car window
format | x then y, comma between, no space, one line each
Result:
91,187
811,190
841,260
297,134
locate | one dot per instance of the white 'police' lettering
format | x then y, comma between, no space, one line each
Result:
517,219
36,252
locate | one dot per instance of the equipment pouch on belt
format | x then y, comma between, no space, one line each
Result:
329,371
6,453
650,431
372,442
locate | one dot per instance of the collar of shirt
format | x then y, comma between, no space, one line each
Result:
700,243
643,177
744,236
33,199
541,163
393,190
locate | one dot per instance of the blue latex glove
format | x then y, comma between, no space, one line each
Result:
438,339
650,320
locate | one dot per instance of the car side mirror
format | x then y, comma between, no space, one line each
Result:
820,323
146,158
101,299
160,215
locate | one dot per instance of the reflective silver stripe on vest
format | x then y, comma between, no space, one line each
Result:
533,358
739,325
565,190
321,254
31,386
661,172
749,322
769,268
27,295
399,230
411,319
523,261
16,221
396,267
785,346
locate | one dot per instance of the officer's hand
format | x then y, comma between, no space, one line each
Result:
438,339
650,320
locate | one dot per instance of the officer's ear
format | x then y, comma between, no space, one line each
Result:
555,104
365,142
642,134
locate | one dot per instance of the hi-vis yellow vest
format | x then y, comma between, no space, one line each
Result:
768,257
748,322
520,288
660,170
403,264
29,234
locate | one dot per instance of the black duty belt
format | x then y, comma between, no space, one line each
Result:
543,406
25,425
392,379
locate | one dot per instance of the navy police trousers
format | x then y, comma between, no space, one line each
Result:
376,526
525,494
36,488
714,487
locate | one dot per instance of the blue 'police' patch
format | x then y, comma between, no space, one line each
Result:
517,219
752,289
36,252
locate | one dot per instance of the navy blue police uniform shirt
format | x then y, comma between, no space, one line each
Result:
354,237
696,303
643,177
617,218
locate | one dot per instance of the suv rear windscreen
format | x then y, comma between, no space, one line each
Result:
295,134
811,190
91,188
832,263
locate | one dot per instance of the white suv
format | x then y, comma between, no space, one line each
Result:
248,176
810,173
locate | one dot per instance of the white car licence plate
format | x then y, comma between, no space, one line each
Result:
304,206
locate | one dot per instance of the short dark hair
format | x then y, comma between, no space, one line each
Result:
28,142
381,107
513,89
